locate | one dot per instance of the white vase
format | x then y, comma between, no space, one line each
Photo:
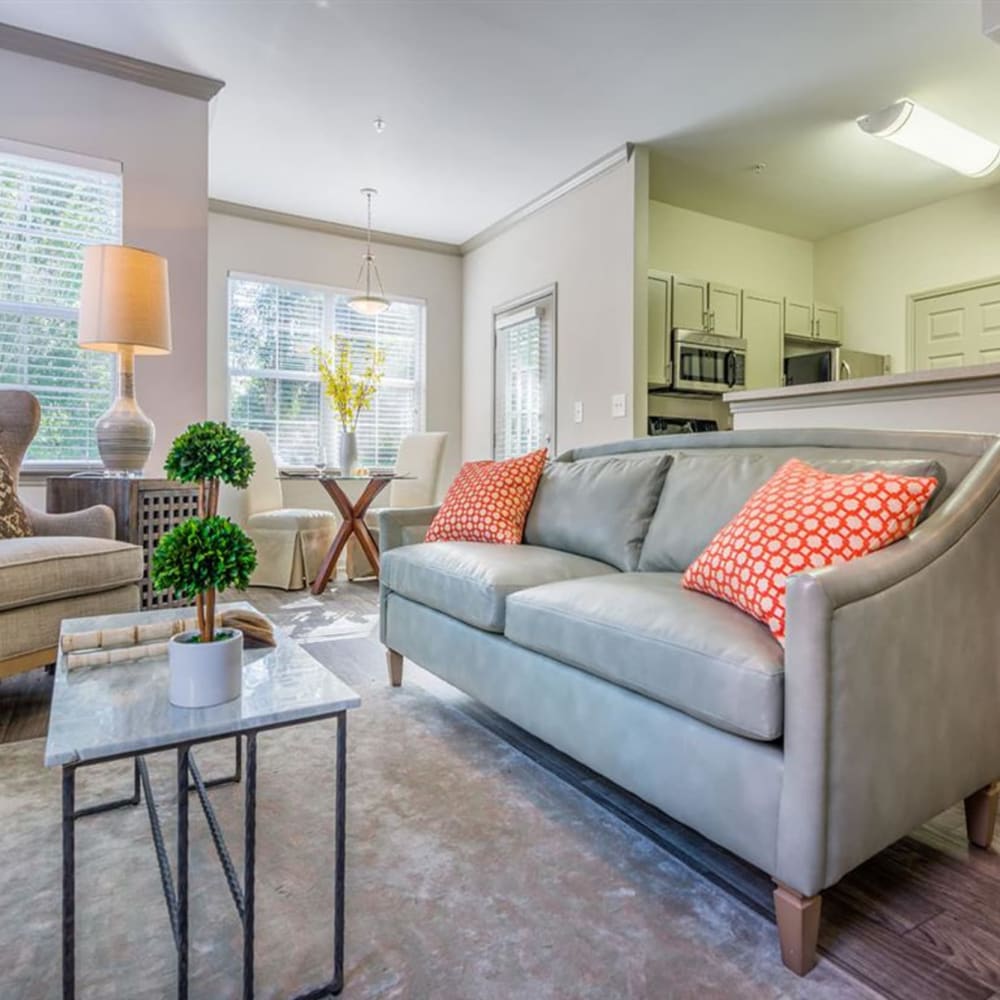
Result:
205,673
348,452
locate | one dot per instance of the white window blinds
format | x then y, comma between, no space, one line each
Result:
524,366
48,213
274,382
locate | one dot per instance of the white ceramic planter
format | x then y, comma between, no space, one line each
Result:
205,673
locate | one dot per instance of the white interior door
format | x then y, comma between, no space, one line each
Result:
957,328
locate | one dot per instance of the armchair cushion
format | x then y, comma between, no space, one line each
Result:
38,569
292,519
14,521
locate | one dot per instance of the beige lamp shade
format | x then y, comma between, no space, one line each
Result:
125,300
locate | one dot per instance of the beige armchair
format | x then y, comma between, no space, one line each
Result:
420,456
291,541
69,567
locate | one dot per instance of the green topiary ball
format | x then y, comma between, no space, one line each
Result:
205,554
210,450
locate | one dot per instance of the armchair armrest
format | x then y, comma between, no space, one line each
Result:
892,687
94,522
403,525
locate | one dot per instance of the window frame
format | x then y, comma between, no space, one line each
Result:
329,293
34,470
538,296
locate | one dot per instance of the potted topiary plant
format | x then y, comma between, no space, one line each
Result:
202,556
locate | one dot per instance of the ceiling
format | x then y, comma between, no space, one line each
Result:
490,103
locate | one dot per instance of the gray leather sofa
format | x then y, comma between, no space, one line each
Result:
880,712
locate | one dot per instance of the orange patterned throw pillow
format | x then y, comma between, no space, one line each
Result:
489,501
803,518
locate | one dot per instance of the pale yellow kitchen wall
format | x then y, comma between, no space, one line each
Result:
870,271
704,246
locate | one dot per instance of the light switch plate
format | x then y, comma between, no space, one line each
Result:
578,412
618,405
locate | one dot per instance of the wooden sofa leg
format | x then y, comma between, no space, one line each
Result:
981,815
798,927
395,661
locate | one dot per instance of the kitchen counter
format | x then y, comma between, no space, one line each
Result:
966,399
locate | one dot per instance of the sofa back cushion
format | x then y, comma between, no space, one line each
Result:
706,489
598,507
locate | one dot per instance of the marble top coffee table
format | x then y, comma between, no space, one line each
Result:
122,711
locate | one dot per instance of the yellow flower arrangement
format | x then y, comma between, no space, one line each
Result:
349,393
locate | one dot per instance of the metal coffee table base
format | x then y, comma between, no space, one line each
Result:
189,780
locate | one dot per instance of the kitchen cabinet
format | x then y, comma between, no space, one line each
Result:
827,322
690,303
763,330
706,305
798,318
658,332
812,321
725,310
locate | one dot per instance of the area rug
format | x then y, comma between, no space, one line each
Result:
473,873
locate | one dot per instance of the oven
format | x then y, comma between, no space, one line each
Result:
707,362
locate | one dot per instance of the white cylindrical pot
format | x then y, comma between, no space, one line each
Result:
205,673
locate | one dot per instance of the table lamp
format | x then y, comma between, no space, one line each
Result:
125,308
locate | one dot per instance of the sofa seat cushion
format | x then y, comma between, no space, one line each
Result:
292,519
645,632
472,580
49,568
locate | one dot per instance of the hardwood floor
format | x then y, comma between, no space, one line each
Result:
920,921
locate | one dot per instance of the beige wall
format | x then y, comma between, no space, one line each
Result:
161,140
280,251
703,246
871,270
584,243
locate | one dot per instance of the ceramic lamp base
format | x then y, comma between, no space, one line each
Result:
125,434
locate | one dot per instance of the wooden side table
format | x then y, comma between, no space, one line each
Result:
145,510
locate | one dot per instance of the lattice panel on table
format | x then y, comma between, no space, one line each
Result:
159,511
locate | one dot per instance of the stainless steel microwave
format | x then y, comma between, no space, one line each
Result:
707,362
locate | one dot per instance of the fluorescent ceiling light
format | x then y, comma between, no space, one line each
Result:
917,129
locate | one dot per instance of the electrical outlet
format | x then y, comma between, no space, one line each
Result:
618,406
578,412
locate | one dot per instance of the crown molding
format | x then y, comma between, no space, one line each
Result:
149,74
581,177
330,228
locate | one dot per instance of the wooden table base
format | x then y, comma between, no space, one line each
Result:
353,524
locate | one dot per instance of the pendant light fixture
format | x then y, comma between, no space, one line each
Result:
365,302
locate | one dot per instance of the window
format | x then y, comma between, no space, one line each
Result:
524,392
49,211
274,386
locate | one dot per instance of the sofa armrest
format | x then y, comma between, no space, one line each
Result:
892,687
93,522
403,525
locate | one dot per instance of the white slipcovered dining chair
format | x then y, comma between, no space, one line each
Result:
290,541
420,456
